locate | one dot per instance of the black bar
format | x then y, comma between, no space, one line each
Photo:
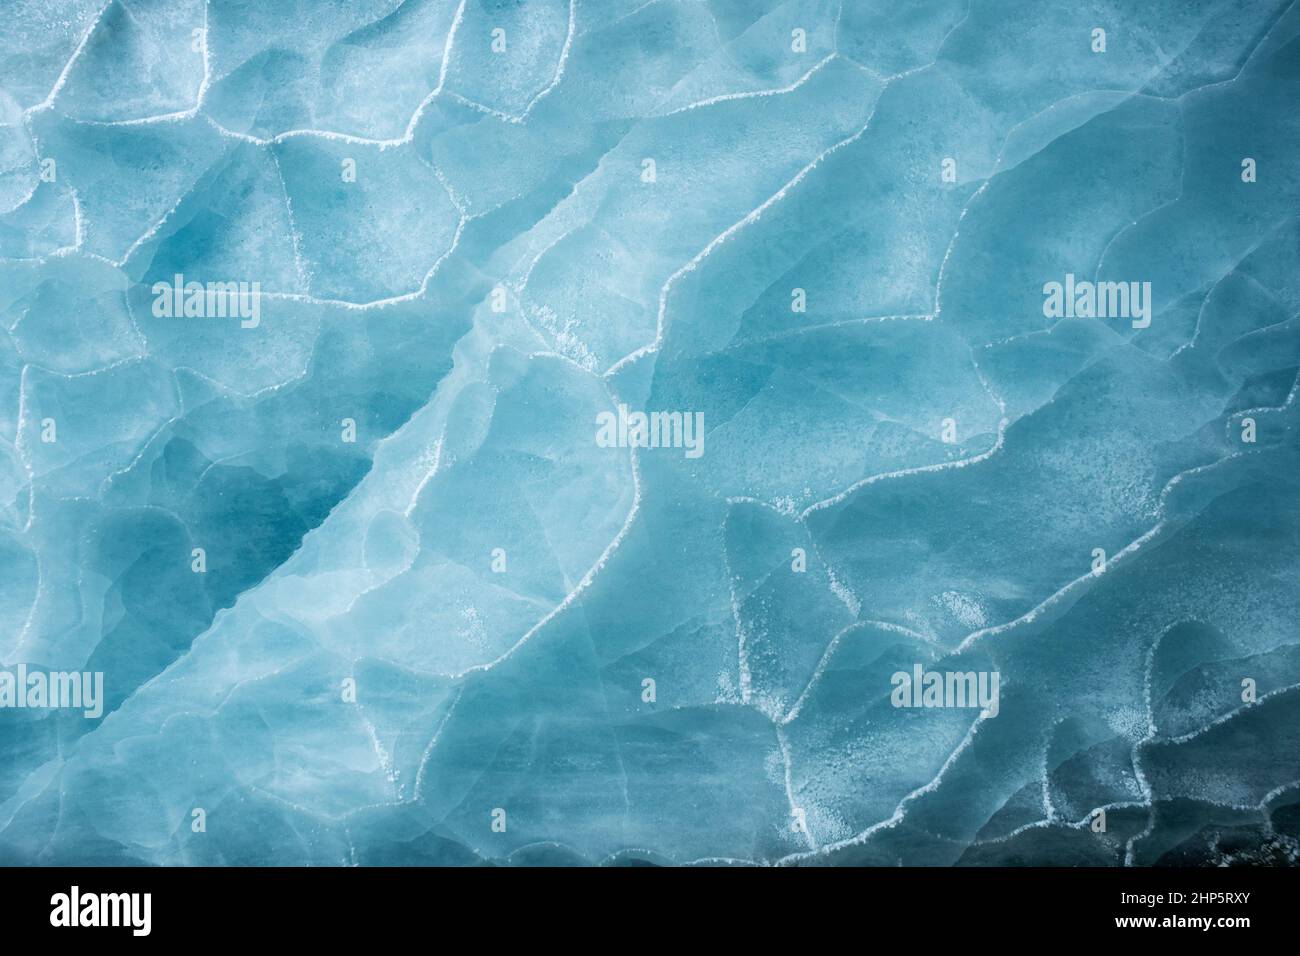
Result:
368,905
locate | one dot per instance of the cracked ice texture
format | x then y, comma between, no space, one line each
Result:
208,138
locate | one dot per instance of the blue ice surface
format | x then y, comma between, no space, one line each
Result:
439,621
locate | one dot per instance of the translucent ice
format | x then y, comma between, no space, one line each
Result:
314,311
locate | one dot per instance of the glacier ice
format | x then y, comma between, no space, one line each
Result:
362,584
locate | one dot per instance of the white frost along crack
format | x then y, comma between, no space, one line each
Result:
197,110
379,303
750,217
1281,14
540,95
200,101
900,812
751,94
1028,617
1130,549
460,675
1004,422
938,296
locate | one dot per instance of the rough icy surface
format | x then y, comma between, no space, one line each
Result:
431,644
